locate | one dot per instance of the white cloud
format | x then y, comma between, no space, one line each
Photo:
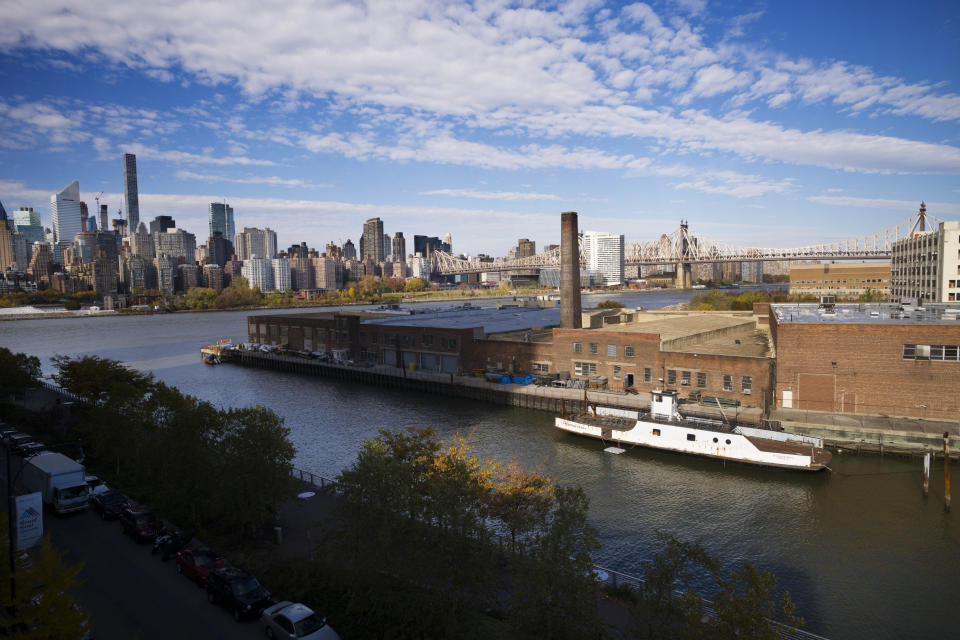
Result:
910,207
185,157
274,181
490,195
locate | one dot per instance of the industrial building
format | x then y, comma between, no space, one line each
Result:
926,265
841,279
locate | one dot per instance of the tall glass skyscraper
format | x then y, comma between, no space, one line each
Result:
221,219
65,209
130,191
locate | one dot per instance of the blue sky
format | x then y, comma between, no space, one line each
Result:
764,124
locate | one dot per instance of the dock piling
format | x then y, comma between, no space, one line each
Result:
946,471
926,474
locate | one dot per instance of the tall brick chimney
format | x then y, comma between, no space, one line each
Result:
570,317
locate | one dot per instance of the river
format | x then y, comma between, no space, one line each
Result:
863,554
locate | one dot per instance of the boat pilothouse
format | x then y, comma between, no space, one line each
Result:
663,427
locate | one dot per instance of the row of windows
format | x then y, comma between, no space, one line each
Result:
628,350
746,382
692,437
931,352
841,281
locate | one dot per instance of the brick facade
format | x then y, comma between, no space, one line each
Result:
859,368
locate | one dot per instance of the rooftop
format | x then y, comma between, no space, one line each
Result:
868,313
679,324
490,320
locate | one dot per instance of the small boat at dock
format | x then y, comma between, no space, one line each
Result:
664,428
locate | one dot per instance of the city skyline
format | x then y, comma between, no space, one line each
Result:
775,126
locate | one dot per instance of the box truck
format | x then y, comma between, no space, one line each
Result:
60,480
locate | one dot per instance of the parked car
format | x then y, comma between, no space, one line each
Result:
142,526
197,564
96,485
17,439
289,620
28,448
109,504
238,591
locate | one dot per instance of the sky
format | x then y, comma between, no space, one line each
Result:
770,124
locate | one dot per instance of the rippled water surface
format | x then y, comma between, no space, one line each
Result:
863,554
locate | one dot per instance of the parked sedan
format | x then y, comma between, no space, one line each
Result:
289,620
142,526
197,564
238,591
109,504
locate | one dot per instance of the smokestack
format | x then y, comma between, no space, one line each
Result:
570,317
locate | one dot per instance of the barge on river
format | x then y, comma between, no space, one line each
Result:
664,428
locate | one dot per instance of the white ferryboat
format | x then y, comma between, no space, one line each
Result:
664,428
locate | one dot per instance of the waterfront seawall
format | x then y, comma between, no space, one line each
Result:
862,437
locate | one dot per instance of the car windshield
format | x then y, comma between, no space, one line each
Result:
73,492
244,586
112,498
204,558
308,625
146,519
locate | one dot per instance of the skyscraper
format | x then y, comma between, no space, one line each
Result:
104,222
65,209
221,219
160,224
253,242
349,250
399,248
373,239
130,193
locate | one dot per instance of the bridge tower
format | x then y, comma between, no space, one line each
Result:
684,277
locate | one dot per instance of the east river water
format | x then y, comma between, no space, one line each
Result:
863,554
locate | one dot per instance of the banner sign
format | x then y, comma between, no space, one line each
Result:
29,516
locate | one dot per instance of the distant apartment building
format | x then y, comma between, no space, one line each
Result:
301,273
166,267
841,279
66,212
141,243
926,265
259,273
188,276
253,242
371,242
219,248
7,256
349,250
161,223
177,243
399,248
603,252
327,273
281,274
213,276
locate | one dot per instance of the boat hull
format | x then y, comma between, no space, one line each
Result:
680,438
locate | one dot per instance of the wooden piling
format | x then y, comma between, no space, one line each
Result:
926,474
946,471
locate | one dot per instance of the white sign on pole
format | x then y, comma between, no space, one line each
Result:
29,515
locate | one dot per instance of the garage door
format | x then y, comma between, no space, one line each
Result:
448,364
409,357
816,391
428,361
390,357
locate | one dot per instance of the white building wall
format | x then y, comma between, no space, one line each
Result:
65,209
604,253
258,272
281,274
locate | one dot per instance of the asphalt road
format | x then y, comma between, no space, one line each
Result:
128,592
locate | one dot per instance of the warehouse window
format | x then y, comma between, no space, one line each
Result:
671,377
541,366
701,380
577,347
727,382
616,372
647,375
427,338
611,349
685,378
584,369
628,351
746,384
594,348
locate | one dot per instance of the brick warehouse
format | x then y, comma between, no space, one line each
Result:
875,359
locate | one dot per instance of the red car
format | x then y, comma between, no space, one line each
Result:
196,564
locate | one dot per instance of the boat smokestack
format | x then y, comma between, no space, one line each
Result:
570,311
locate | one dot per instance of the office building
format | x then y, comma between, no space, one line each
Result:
221,220
603,252
130,193
349,250
142,244
371,243
66,212
7,257
104,222
926,266
219,249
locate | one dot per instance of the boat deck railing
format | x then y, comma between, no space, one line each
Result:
625,424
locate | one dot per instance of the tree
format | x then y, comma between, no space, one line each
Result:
746,606
43,608
414,284
18,371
